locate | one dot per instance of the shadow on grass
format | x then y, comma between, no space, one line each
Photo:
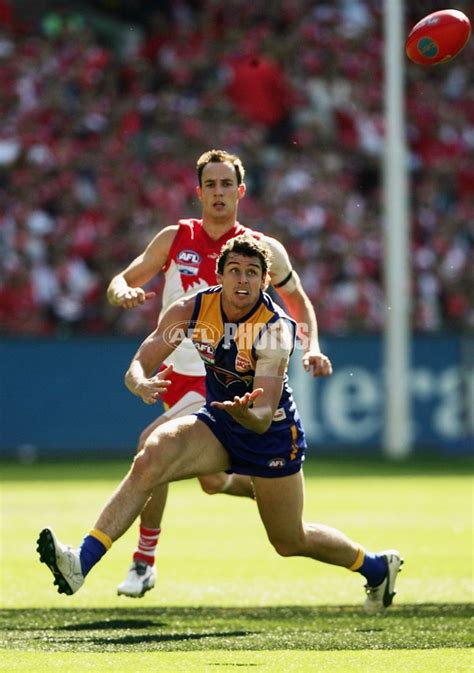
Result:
427,626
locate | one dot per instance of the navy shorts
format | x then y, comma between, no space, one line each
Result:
278,452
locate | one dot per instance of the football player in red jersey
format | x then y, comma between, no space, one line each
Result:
186,253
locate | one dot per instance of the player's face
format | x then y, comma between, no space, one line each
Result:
241,283
219,193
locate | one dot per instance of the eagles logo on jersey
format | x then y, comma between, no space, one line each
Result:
227,378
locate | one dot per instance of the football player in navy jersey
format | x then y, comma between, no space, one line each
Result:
245,342
186,254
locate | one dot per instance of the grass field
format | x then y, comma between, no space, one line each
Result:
224,600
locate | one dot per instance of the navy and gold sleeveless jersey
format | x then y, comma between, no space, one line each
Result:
228,351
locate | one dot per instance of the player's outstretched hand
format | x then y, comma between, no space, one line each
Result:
317,363
151,389
239,407
132,297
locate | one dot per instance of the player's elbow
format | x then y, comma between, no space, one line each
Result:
129,381
262,429
263,424
111,292
111,296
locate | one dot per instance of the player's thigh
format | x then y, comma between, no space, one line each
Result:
280,504
182,448
188,404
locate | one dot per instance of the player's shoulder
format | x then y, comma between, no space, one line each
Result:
167,234
188,230
274,308
190,224
242,229
277,249
279,313
159,247
185,226
277,338
274,245
280,267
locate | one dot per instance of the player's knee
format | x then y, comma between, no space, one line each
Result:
141,440
286,547
149,430
144,468
140,466
214,483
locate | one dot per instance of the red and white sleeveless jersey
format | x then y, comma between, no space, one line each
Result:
191,266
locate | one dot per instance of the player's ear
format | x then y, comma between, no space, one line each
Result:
242,190
265,281
199,192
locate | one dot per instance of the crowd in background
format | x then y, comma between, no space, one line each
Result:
99,139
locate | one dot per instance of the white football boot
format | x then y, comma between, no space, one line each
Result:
141,577
380,597
62,560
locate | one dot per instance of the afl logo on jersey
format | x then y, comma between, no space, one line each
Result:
276,463
206,351
188,262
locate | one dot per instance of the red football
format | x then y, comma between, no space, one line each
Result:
438,37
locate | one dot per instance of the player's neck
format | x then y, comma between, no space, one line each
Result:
217,228
235,313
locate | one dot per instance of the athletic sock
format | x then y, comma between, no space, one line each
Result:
92,549
371,566
146,549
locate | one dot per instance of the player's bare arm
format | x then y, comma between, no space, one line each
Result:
255,410
125,289
141,378
287,283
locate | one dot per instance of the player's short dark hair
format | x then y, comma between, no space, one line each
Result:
220,157
248,246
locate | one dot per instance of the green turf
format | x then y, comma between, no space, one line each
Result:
224,599
218,661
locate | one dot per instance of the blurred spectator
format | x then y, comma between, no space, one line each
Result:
7,16
259,90
96,147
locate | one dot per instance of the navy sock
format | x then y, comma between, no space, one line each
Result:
374,569
90,552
